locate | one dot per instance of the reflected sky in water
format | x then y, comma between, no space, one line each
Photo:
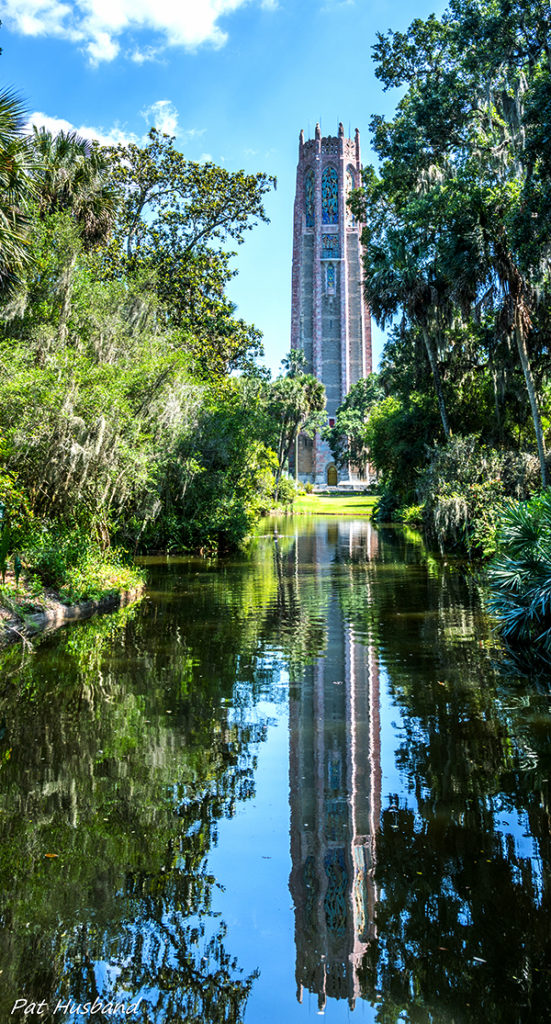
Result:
299,783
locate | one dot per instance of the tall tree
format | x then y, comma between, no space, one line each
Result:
459,145
16,191
176,221
73,174
402,271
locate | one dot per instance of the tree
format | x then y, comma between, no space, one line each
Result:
176,221
458,208
16,192
295,403
347,439
73,175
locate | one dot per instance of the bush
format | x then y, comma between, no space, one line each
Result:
384,510
74,564
411,514
464,488
398,435
287,491
520,574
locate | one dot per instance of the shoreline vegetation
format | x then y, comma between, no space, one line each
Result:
23,617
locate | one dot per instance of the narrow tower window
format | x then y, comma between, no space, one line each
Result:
330,248
330,196
350,185
309,198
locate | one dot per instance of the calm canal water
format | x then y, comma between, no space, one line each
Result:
296,784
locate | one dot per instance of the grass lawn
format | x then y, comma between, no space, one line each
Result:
339,505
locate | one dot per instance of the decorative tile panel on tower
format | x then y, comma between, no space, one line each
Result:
330,320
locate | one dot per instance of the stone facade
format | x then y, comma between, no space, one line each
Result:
330,320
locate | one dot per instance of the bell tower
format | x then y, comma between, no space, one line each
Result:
330,320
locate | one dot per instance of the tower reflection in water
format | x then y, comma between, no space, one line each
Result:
335,783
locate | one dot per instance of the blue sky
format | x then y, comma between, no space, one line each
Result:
234,80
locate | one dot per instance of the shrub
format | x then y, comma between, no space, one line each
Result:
74,564
287,491
411,514
464,488
520,574
384,509
398,435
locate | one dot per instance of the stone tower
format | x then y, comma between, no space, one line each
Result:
330,320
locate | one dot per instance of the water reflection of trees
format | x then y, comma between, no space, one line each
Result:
122,748
463,919
462,860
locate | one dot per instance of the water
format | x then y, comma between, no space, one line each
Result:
296,784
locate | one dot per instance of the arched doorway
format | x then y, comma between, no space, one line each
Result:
332,477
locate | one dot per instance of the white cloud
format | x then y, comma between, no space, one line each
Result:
98,24
145,56
206,158
59,124
103,47
163,116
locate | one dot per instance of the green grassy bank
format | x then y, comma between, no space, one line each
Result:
334,505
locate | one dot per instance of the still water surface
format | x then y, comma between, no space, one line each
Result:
296,784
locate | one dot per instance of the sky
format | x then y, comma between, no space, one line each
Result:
233,80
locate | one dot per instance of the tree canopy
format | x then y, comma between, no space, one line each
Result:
457,225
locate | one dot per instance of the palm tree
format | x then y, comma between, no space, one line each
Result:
73,174
16,191
401,277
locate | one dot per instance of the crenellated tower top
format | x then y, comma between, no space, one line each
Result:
329,145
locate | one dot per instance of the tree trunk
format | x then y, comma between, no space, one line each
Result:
66,291
530,387
280,464
437,380
497,404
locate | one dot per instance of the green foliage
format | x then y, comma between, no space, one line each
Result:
463,489
386,506
5,545
397,435
14,506
520,574
348,439
74,563
104,420
411,514
175,222
458,227
16,192
287,491
295,402
74,175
